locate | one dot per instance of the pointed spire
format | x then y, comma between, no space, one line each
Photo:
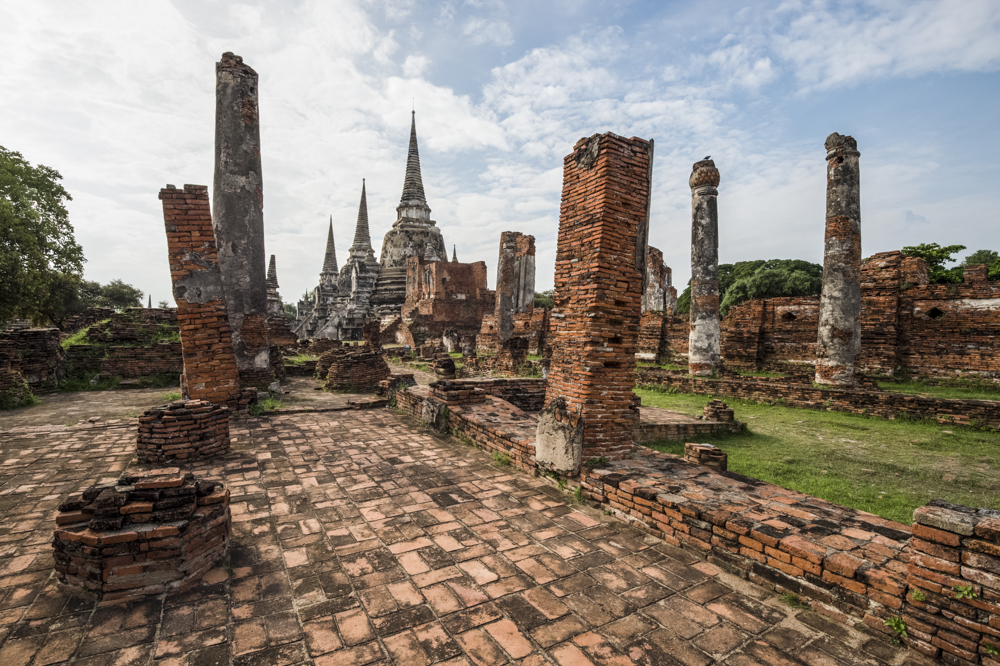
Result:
150,301
272,274
329,271
454,255
413,185
362,237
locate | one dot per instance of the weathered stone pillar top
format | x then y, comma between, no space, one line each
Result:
838,144
704,174
234,63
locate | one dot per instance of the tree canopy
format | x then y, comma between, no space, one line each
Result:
38,253
988,257
543,299
936,257
771,278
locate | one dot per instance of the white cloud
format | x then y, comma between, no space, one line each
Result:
414,66
844,43
488,31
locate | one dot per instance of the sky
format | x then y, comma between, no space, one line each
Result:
119,98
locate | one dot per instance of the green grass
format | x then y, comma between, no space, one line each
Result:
749,373
971,391
300,359
886,467
80,337
170,397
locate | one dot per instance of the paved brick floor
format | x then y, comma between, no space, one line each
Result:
360,538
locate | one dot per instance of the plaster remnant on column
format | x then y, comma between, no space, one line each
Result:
705,340
239,217
515,281
839,340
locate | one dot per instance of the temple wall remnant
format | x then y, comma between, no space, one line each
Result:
705,341
238,202
210,370
515,281
839,341
600,262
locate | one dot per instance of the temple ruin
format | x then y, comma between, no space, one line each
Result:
364,288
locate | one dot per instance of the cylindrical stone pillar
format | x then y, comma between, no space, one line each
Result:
238,220
839,340
704,342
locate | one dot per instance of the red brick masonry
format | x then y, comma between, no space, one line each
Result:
148,534
183,430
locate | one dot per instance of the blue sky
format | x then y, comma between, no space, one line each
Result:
119,97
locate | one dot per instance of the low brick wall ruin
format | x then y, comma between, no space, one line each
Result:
14,391
37,355
183,430
356,371
152,532
952,610
985,413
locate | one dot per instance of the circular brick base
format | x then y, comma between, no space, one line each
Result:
148,534
183,430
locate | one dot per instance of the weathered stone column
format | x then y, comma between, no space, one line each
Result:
238,204
705,340
515,281
600,262
839,340
209,363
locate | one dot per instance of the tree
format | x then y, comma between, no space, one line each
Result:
164,304
291,312
936,257
119,295
759,278
988,257
37,248
544,299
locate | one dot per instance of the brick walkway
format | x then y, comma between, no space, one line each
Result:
359,538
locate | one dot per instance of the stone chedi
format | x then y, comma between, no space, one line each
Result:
238,204
705,343
839,341
365,288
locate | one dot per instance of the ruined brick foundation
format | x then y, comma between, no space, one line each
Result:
356,371
152,532
183,430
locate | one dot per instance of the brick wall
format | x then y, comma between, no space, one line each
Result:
356,371
183,430
442,295
210,371
598,287
36,354
855,401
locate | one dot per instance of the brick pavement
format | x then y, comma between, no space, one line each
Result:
360,538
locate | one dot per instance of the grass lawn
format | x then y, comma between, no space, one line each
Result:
972,391
888,468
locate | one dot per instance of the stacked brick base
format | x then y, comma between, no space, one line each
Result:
359,371
183,430
953,608
151,533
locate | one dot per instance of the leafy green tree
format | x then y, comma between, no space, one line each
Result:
772,278
119,295
936,257
544,299
290,311
164,304
37,248
988,257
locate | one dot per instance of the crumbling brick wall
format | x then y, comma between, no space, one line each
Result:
358,371
443,295
210,371
598,288
36,354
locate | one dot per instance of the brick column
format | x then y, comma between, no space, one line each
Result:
209,362
600,262
239,217
839,340
705,339
515,281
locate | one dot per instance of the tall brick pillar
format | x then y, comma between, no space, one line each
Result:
515,281
705,339
210,371
839,340
238,202
600,262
